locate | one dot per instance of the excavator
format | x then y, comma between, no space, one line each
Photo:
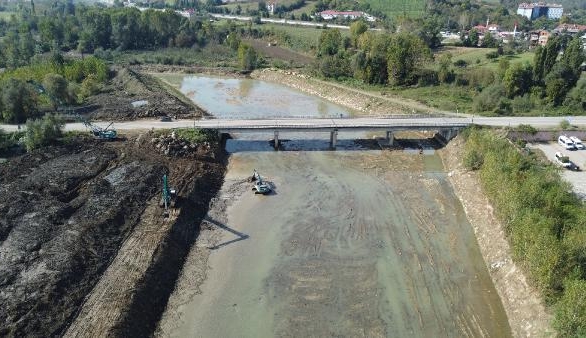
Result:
101,133
260,186
168,196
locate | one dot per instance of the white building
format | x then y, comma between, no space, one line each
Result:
535,10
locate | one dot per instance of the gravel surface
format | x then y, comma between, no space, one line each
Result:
576,178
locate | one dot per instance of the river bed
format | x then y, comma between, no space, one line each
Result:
352,242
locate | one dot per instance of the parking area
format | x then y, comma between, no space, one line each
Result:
576,178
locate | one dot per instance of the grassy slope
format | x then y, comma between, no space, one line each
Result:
395,8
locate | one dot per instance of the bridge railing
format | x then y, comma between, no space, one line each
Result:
239,116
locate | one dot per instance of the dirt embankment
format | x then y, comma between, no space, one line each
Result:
526,313
130,95
84,215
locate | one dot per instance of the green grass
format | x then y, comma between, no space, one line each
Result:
398,8
444,97
208,56
198,135
476,57
6,15
299,39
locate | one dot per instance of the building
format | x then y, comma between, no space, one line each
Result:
535,10
353,15
570,28
539,38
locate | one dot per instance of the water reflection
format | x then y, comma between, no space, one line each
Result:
247,98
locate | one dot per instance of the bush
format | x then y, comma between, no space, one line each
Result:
427,77
492,55
473,159
543,220
526,128
522,104
565,124
570,318
461,63
489,99
42,132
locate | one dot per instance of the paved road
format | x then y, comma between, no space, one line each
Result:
282,21
329,123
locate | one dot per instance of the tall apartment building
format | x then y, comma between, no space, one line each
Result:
535,10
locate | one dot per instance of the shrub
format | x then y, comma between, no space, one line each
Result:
571,310
473,159
526,128
565,124
42,132
492,55
489,98
427,77
522,104
461,63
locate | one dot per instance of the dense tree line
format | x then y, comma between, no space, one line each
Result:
90,28
544,222
551,80
393,59
51,83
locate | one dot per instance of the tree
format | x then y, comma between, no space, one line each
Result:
233,40
545,58
558,83
18,101
445,73
517,80
574,54
356,29
247,57
576,98
405,52
474,38
42,132
56,87
329,43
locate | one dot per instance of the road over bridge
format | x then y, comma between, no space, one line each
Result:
388,124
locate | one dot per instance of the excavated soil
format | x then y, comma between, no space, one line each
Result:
77,216
115,102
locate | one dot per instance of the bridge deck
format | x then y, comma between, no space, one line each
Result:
356,124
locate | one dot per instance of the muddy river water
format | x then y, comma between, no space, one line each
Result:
352,243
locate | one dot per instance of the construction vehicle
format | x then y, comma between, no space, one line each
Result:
260,186
168,196
101,133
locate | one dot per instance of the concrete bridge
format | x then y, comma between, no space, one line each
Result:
447,127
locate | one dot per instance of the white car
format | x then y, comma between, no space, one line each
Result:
565,162
565,142
577,142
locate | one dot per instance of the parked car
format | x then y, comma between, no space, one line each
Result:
165,119
577,142
565,142
565,162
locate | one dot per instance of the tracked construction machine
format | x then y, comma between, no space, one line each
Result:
260,186
168,196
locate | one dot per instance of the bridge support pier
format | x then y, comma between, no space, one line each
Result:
276,139
333,138
390,137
